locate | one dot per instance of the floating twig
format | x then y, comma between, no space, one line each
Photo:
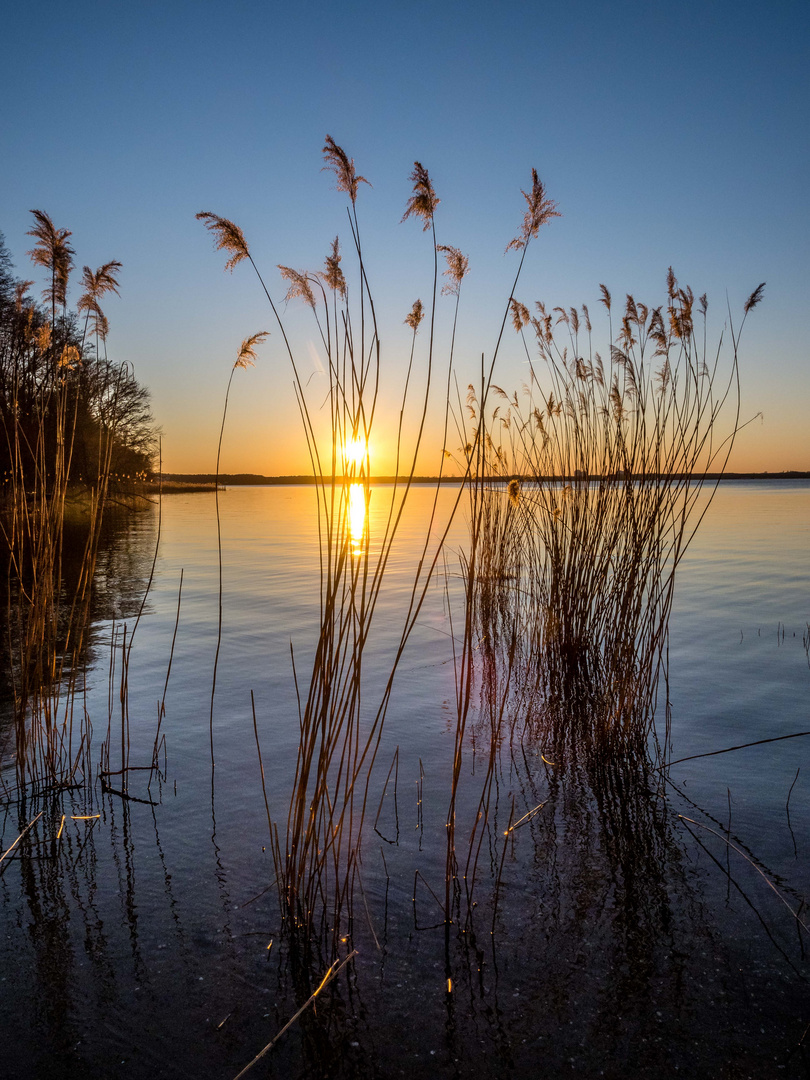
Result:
22,834
331,973
525,817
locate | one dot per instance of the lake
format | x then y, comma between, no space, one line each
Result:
619,932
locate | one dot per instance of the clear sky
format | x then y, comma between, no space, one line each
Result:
667,134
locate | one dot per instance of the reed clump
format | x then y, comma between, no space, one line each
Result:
317,850
317,853
72,420
608,458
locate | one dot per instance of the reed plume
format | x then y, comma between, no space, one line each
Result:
423,202
333,275
338,161
415,316
96,284
540,210
52,252
299,285
458,266
227,237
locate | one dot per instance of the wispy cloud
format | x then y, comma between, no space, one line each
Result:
314,356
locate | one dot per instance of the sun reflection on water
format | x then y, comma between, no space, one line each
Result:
359,496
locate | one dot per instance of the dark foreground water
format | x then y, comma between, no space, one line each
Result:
626,941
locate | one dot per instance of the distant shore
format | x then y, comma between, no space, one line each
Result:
190,482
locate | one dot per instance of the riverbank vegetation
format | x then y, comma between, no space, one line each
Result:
76,436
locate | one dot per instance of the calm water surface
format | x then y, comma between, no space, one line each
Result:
627,942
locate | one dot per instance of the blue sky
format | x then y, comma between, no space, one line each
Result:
667,135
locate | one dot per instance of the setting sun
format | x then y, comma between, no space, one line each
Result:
355,453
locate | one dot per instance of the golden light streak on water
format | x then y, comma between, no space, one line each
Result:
358,516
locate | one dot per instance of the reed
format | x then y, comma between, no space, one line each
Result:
67,417
584,494
317,853
583,497
246,358
608,460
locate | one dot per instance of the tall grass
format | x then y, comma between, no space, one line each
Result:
584,494
317,849
316,853
246,357
608,459
60,401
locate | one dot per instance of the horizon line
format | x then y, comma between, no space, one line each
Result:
259,479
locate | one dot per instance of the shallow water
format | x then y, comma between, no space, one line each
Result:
626,942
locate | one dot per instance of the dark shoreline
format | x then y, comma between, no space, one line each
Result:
180,482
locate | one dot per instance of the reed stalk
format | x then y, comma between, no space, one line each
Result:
316,854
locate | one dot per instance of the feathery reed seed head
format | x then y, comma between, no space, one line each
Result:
96,283
415,316
227,237
99,324
754,298
540,211
458,266
20,294
43,338
343,167
53,252
69,358
424,200
333,275
520,314
299,285
247,351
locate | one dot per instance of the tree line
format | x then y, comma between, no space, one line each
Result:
62,398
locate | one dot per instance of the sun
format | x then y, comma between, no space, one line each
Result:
355,453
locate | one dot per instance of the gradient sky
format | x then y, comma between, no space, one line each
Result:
667,134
